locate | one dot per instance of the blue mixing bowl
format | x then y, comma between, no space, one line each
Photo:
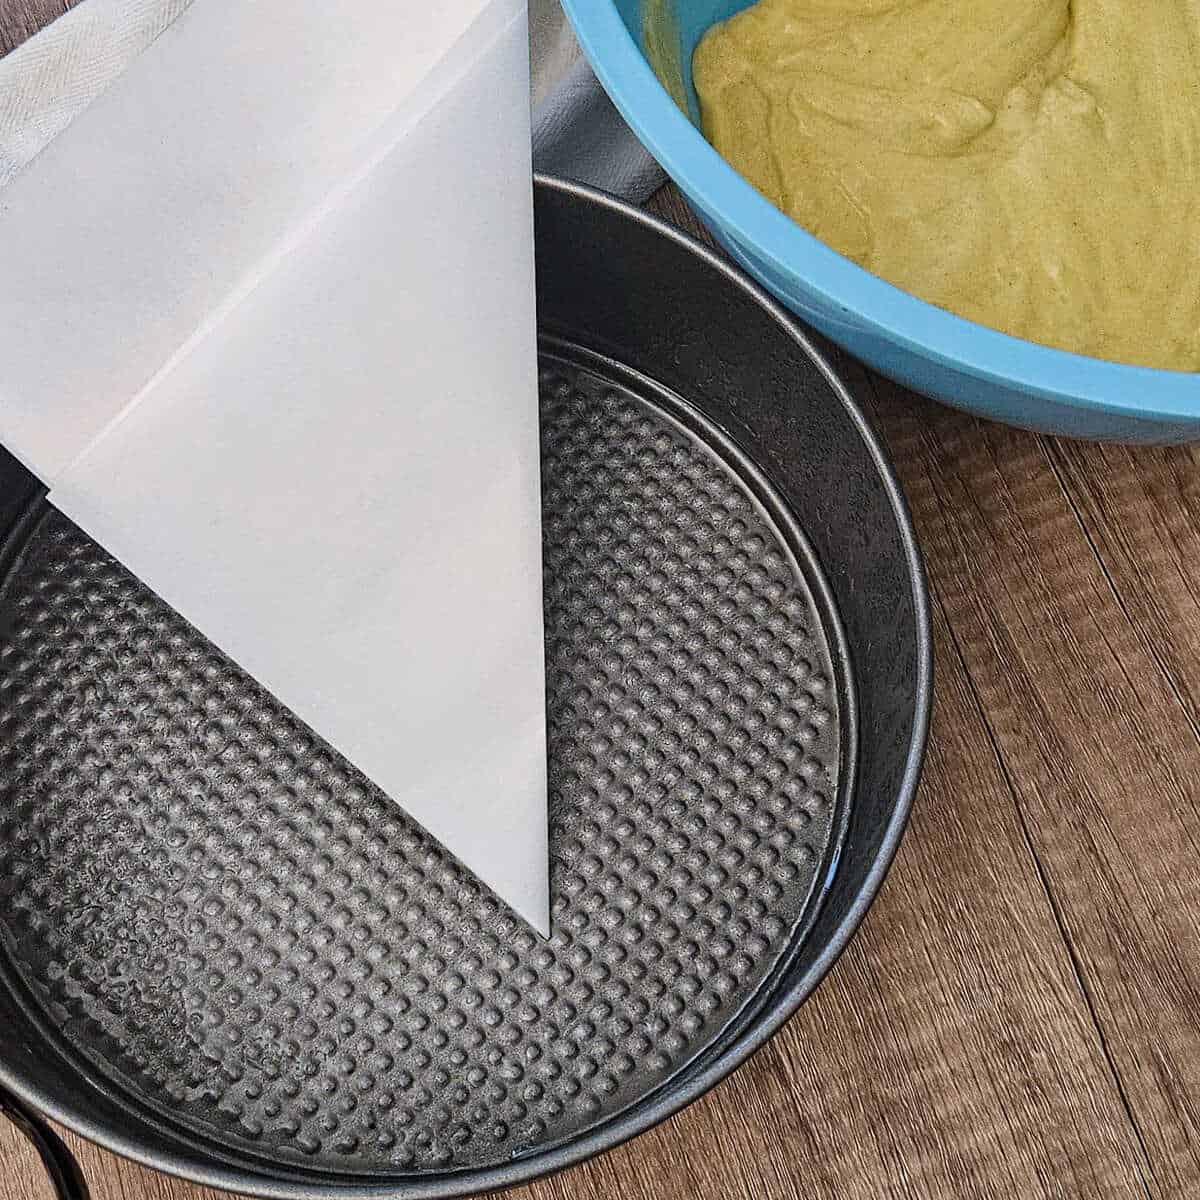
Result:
921,346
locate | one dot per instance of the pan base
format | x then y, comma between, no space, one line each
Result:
245,938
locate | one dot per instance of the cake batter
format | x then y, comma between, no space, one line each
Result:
1033,165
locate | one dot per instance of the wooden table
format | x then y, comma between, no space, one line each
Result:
1020,1014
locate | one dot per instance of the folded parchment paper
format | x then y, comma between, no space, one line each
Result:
267,330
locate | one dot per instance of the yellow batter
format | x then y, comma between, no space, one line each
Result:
1033,165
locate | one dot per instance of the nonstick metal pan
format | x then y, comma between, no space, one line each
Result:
225,954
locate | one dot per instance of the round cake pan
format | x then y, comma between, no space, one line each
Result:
224,953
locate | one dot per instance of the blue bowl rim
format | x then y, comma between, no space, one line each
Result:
1075,380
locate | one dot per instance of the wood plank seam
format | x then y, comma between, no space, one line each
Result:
1055,464
1144,1164
1085,988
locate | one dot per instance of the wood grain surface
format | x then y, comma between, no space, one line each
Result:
1020,1015
21,19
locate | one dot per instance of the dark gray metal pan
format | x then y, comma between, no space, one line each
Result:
223,953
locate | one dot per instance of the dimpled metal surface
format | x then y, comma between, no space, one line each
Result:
241,933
